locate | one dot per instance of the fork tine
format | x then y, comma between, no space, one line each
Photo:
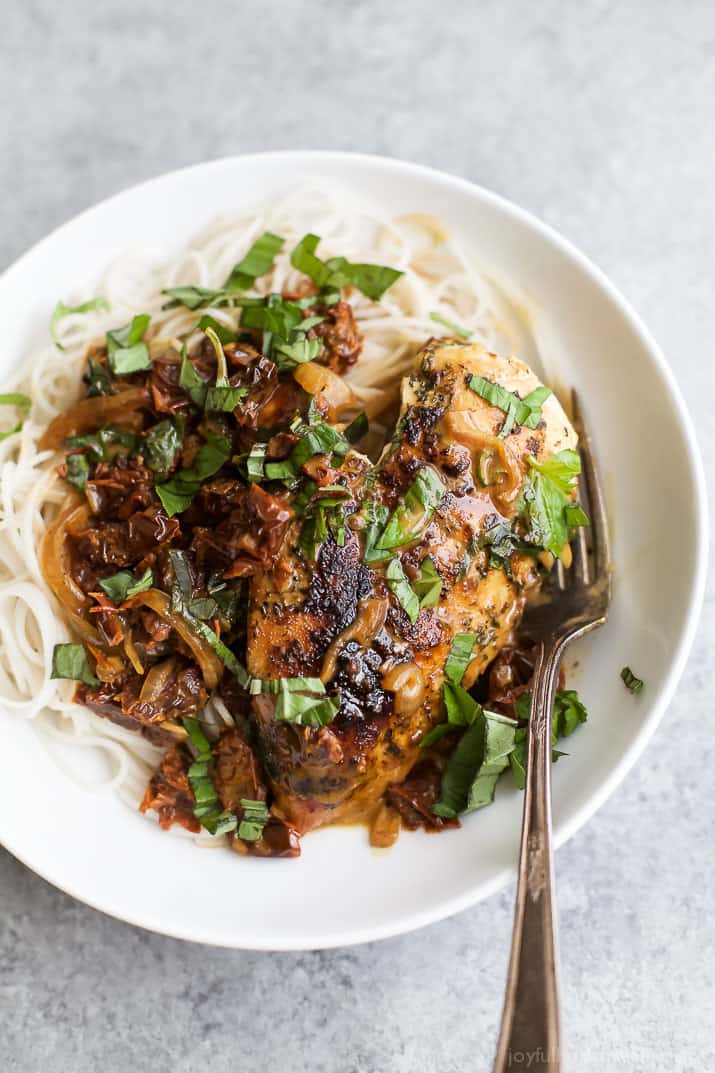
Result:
592,487
581,567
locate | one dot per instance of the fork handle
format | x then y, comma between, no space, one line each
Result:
529,1038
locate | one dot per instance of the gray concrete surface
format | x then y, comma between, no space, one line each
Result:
598,117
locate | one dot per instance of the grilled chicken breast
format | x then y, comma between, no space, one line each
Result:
339,618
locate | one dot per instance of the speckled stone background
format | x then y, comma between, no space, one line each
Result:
600,118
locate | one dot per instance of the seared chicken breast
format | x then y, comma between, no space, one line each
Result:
445,485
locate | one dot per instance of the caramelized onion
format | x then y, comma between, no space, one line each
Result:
157,679
408,685
465,427
211,666
89,414
320,381
364,628
57,572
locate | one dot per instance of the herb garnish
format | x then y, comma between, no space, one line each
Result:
299,700
14,398
222,396
481,755
61,311
569,712
126,352
70,661
161,444
633,684
336,272
455,329
257,262
411,517
123,584
428,585
518,411
176,494
460,656
547,496
207,809
255,817
399,585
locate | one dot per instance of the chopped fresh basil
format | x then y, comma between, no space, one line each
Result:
481,755
177,493
225,334
633,684
317,438
161,446
11,431
399,585
291,685
455,329
191,382
222,396
503,542
372,280
411,517
14,398
459,658
254,819
77,469
70,661
376,515
255,462
428,585
575,517
61,311
305,710
126,352
123,584
462,709
569,712
193,297
207,809
97,379
288,355
181,606
546,499
256,262
518,411
105,443
357,428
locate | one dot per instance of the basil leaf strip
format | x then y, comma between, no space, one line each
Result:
459,658
569,712
257,262
124,584
126,352
518,411
372,280
546,498
70,661
176,495
14,398
481,755
455,329
428,585
399,585
61,311
161,445
632,684
255,817
410,519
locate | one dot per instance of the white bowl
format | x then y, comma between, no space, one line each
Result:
340,891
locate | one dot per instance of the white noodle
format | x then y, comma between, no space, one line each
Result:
438,277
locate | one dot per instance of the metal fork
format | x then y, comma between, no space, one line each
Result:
576,602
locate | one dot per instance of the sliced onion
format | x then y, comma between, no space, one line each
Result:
210,664
89,414
57,572
322,382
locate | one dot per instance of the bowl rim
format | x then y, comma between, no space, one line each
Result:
449,906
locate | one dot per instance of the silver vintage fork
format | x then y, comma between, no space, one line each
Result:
575,603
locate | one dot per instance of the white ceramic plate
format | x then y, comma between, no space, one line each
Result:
340,891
